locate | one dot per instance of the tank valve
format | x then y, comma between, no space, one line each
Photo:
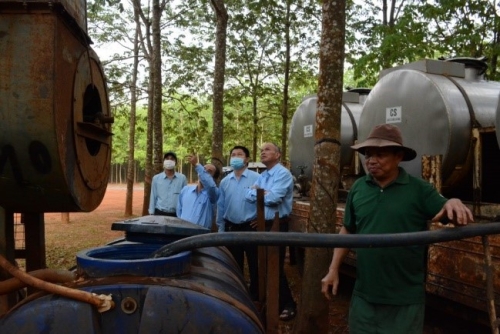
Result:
303,182
103,119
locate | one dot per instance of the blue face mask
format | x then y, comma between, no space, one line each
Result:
237,163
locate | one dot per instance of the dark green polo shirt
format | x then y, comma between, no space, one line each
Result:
393,275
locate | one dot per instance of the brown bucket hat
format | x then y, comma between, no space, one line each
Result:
386,135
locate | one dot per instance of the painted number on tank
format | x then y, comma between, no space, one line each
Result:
308,130
393,115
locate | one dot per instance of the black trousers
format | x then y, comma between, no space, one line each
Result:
251,253
285,294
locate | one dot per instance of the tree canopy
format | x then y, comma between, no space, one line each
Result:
379,34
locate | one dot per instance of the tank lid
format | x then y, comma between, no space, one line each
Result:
431,66
352,95
469,62
159,225
360,91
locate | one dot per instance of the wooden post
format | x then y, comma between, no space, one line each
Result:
34,234
65,217
273,277
7,245
261,227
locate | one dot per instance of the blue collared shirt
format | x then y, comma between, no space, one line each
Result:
199,207
232,204
278,185
165,192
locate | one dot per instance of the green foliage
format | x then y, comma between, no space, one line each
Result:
255,59
417,30
464,29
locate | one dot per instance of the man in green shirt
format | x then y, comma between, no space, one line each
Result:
389,293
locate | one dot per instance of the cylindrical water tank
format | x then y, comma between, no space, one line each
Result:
301,134
435,104
199,291
55,131
74,10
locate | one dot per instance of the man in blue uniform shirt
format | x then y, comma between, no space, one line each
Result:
197,203
235,214
277,182
166,187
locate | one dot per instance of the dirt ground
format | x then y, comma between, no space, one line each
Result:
87,230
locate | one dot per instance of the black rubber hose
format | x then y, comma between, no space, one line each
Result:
328,240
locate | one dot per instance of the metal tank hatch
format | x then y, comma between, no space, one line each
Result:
55,119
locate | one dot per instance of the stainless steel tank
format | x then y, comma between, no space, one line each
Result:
435,104
301,134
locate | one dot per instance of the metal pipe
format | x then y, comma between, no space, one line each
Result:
102,302
328,240
49,275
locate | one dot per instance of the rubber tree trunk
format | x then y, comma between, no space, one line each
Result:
313,312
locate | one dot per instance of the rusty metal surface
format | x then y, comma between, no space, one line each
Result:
76,9
47,68
456,271
431,170
299,218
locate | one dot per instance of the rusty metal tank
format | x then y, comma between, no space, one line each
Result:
303,125
436,104
55,136
497,125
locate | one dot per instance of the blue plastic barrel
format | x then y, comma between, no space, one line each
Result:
201,291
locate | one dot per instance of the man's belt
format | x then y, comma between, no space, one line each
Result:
237,227
283,220
159,212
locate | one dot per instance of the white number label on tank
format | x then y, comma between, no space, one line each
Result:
308,130
393,115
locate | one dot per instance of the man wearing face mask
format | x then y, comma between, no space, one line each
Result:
166,187
234,213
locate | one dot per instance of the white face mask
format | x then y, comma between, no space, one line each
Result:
169,164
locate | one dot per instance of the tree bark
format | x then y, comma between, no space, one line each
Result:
147,47
284,112
157,89
131,134
313,312
218,89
